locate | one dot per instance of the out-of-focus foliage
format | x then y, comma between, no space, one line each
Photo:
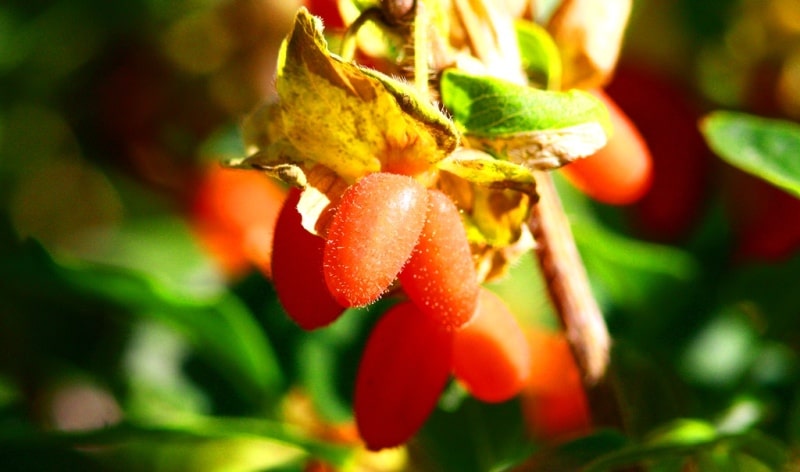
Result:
125,345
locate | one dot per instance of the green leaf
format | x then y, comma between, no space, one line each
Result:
696,439
539,54
571,456
219,326
535,128
192,443
766,148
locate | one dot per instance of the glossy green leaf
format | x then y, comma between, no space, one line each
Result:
766,148
539,54
535,128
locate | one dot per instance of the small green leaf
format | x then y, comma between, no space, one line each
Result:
535,128
766,148
539,53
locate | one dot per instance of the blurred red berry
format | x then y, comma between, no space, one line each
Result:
404,368
440,276
297,270
371,236
491,356
619,173
667,121
328,10
234,213
765,219
554,401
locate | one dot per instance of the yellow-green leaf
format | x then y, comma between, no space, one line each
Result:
351,119
483,169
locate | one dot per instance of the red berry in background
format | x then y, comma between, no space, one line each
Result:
765,219
554,402
297,270
234,213
491,356
667,121
619,173
440,276
328,10
404,368
371,236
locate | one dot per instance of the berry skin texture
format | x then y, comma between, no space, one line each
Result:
233,213
371,236
440,276
404,369
619,173
491,356
297,270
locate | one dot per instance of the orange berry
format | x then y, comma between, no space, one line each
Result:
440,276
403,370
234,213
619,173
371,236
491,356
554,401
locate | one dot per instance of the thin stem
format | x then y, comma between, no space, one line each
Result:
568,284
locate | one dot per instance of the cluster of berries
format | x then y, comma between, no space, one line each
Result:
388,228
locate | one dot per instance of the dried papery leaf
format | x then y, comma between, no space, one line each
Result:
589,35
353,120
319,199
491,38
492,262
483,169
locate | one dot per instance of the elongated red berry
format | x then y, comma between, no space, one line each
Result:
371,236
297,270
491,356
404,369
440,277
621,172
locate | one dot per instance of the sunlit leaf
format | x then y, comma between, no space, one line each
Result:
539,54
483,169
766,148
350,119
535,128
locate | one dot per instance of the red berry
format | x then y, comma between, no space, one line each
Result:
440,276
371,236
328,10
404,369
491,356
619,173
666,118
297,270
234,213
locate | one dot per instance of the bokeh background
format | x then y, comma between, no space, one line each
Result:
132,299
